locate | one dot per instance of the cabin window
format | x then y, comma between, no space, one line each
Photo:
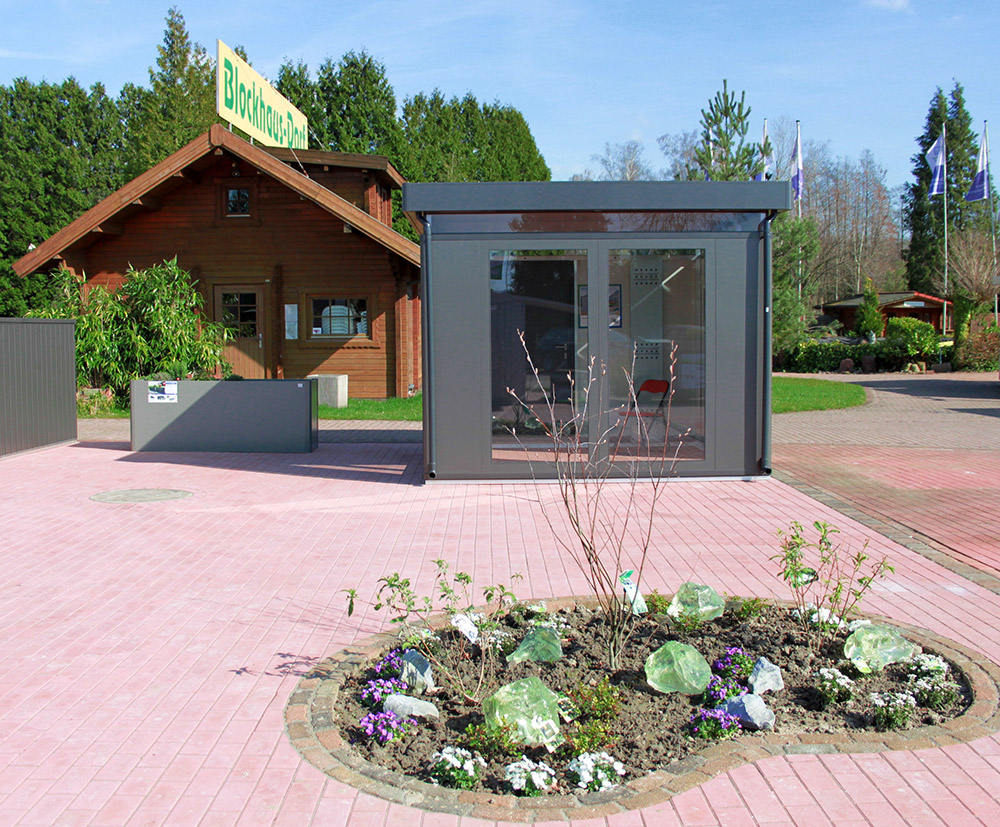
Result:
336,318
238,201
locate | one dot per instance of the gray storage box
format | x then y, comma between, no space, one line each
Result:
250,416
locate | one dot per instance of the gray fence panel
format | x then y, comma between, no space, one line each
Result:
37,383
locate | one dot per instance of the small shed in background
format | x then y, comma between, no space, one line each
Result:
903,304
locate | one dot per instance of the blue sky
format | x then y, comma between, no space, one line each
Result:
858,73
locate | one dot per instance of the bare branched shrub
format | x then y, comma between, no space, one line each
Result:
610,532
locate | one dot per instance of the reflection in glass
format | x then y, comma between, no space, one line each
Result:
661,344
598,222
535,293
239,314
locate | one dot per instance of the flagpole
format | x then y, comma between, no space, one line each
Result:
993,228
944,307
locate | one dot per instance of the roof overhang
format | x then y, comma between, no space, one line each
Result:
598,196
183,165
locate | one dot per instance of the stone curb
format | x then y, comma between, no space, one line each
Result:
312,729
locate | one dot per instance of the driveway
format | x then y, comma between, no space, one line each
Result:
921,461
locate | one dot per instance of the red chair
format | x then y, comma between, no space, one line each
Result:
650,386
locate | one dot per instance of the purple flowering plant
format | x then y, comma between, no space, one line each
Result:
714,725
735,663
386,726
390,664
720,688
377,690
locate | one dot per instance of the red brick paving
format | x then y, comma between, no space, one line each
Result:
149,649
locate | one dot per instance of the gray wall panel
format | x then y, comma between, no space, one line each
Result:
461,358
37,383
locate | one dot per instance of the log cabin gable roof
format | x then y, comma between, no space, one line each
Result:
147,190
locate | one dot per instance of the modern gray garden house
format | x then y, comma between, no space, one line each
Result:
675,275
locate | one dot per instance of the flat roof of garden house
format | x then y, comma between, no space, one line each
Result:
599,196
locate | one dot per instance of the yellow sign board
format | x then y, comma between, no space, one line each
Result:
249,102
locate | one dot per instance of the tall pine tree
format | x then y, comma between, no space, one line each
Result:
724,154
178,106
924,214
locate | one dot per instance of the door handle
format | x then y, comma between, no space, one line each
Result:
260,340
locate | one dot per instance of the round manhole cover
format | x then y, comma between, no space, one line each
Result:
141,495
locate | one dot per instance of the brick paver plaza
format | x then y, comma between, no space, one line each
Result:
149,649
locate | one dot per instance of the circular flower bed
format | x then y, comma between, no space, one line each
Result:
621,743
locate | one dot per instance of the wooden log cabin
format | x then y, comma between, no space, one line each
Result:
293,250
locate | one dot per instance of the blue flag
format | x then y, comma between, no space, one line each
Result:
980,188
798,177
935,159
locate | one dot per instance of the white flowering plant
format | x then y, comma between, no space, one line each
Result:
595,771
457,767
527,777
891,710
834,686
926,665
932,691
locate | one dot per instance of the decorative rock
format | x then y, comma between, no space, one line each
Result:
751,710
406,707
416,672
531,708
875,646
846,365
466,625
868,363
632,595
696,600
540,644
766,677
677,667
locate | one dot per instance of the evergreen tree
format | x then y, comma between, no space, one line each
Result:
869,318
795,244
358,106
59,158
924,214
724,154
295,83
178,106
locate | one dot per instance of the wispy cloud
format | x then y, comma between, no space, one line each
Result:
891,5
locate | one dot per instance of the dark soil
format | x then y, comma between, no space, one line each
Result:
651,730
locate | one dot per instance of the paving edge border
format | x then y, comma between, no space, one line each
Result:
312,728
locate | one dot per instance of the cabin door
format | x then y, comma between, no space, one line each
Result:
240,307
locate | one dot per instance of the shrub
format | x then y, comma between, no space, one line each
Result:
587,737
600,702
909,340
498,741
869,317
150,324
981,348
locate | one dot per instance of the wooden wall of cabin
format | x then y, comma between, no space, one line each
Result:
290,245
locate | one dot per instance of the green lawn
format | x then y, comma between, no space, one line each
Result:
788,395
813,394
399,409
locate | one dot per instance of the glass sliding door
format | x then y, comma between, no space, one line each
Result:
656,354
537,389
